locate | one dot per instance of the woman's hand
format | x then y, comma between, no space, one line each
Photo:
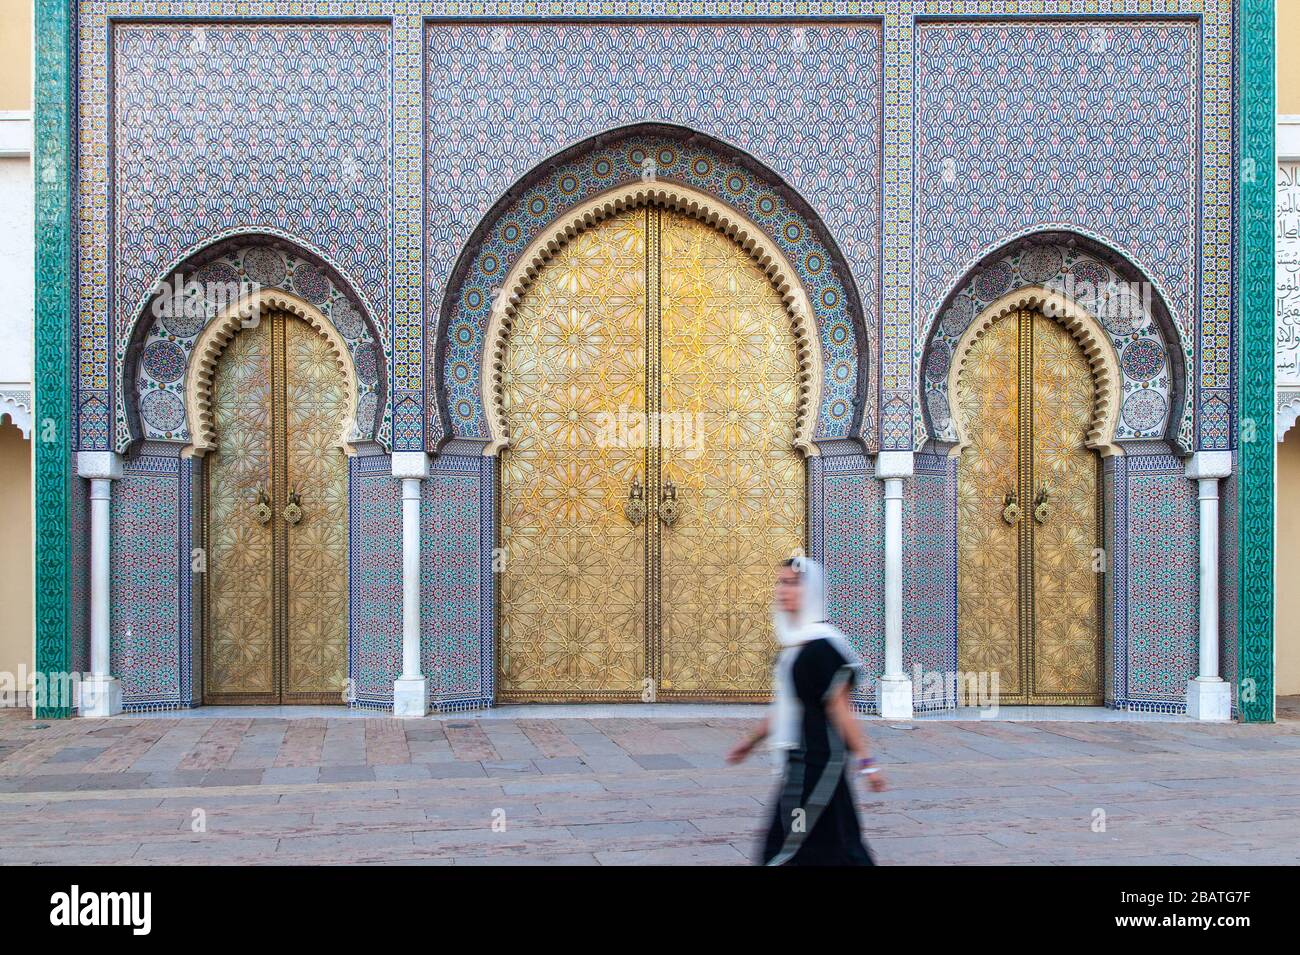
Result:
746,746
740,751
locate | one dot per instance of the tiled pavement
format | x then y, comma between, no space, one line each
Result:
617,790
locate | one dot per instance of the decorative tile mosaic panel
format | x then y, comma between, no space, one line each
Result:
1156,648
930,577
853,555
456,582
1119,130
1025,125
803,100
374,579
149,637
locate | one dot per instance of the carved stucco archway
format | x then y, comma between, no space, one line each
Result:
1085,329
691,202
219,332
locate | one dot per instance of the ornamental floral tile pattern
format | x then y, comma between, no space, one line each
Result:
1162,599
930,577
192,297
374,579
1106,288
853,544
1026,125
147,629
456,651
803,100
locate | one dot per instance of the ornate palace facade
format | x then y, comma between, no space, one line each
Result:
453,353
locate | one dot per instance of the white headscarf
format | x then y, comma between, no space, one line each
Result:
793,631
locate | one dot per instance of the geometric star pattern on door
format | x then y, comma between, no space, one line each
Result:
1029,571
670,605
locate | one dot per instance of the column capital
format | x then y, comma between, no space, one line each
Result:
894,464
99,465
1209,464
410,464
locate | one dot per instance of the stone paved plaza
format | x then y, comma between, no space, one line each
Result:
617,790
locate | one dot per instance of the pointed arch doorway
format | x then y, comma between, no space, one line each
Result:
275,516
1029,501
651,483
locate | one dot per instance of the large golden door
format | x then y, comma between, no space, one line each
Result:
651,484
1029,516
276,624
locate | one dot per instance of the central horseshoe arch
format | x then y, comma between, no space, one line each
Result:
691,202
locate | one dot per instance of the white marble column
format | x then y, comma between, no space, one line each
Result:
1209,697
894,689
410,691
100,691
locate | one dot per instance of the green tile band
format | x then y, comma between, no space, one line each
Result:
1255,446
52,427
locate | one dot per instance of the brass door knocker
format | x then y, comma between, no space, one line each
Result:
1041,510
1011,508
264,512
668,507
293,510
634,506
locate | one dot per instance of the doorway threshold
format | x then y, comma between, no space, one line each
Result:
664,711
1046,714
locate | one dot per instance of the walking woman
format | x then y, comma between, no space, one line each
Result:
812,724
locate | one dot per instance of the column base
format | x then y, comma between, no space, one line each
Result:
1209,699
100,696
895,696
410,698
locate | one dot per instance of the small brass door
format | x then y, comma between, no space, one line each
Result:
1029,516
276,611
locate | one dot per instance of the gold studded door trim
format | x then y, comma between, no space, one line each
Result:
653,686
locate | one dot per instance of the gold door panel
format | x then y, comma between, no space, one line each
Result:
988,585
239,660
595,605
1067,624
728,401
572,589
1029,515
316,596
276,623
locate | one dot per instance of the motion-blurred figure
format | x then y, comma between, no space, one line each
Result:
811,724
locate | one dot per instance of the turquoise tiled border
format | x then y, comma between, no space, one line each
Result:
1255,446
51,165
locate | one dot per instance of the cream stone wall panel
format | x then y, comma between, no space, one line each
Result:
16,556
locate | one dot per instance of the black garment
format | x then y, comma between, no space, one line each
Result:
815,774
